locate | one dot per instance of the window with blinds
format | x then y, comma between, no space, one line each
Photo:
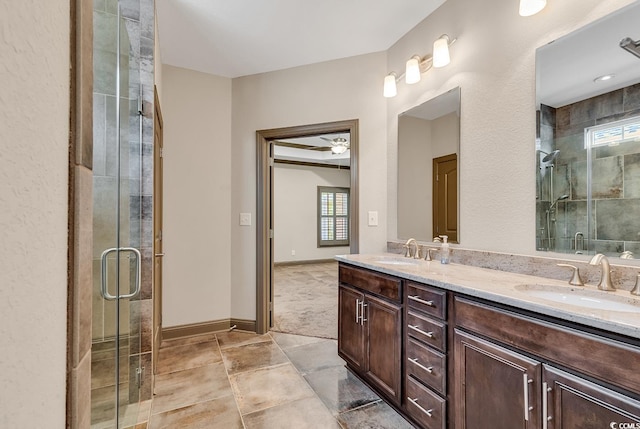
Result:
333,216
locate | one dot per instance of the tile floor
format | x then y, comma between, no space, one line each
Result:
272,381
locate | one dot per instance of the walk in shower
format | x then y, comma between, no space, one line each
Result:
588,183
116,367
588,138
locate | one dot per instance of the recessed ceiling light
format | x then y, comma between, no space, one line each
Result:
604,78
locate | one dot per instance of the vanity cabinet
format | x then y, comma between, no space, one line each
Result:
425,355
448,360
507,373
497,388
370,328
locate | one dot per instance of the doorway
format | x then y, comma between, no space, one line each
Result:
265,214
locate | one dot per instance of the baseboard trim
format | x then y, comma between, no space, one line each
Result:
192,329
313,261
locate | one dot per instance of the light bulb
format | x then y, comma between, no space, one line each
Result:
412,72
441,51
531,7
390,89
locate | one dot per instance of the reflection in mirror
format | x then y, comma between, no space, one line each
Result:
428,150
588,139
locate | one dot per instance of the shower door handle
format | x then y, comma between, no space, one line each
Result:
103,277
136,290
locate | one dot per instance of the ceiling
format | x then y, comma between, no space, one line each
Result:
312,149
233,38
566,68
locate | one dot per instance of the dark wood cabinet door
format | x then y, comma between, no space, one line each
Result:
496,388
384,333
351,341
572,402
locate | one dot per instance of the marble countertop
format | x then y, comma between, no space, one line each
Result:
506,288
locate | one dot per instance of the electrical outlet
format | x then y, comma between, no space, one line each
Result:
245,219
293,253
373,218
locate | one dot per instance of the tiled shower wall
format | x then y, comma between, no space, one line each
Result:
137,158
615,175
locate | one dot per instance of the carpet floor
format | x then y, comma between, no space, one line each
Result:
305,300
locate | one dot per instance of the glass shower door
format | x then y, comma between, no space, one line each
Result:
115,369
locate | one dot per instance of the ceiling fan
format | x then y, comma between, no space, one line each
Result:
338,144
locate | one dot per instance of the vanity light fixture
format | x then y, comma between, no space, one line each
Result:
412,70
441,51
390,88
531,7
417,65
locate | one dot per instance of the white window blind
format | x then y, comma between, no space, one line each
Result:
333,216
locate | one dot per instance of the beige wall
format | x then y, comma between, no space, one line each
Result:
296,211
422,141
337,90
196,108
34,138
415,193
493,61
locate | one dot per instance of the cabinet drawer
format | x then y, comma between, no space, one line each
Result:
425,406
427,330
562,345
426,365
427,299
379,284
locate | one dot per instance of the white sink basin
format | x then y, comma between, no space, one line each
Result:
397,261
579,297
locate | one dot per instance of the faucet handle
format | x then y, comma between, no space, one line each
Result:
575,278
408,254
636,288
427,256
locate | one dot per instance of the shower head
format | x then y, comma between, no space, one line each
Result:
630,45
550,157
560,198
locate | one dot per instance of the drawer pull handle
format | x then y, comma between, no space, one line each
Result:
428,369
527,408
415,402
415,328
416,298
546,418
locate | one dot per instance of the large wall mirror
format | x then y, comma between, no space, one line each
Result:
428,152
588,139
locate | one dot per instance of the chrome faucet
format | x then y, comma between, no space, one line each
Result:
605,278
408,246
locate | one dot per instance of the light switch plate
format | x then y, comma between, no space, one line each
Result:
245,219
373,218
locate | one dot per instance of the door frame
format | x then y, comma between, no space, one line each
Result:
158,249
264,206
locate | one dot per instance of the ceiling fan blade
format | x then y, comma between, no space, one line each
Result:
301,146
